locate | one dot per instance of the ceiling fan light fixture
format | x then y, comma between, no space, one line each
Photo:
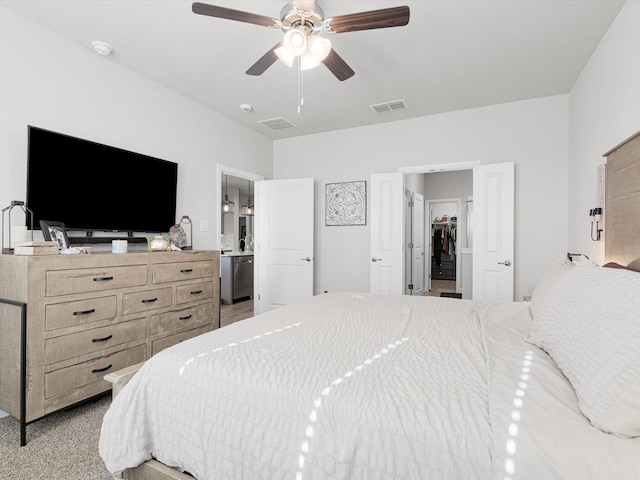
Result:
295,41
319,47
308,61
285,55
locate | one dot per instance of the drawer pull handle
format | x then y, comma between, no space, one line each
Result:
84,312
150,300
102,279
186,270
104,339
98,370
196,292
185,318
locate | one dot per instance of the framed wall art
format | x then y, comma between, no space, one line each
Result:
345,203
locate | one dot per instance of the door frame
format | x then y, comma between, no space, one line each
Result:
442,167
221,171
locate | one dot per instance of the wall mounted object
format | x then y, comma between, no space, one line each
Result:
346,203
595,214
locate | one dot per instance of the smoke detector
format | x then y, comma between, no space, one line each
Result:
102,48
246,108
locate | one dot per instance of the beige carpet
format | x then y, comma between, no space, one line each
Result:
61,446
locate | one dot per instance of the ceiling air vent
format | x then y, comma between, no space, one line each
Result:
277,124
389,106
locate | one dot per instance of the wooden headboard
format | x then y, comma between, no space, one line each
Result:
622,202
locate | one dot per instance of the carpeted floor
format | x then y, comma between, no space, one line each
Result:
61,446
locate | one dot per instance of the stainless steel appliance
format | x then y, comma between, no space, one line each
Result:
237,278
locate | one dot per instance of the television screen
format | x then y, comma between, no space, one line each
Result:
94,187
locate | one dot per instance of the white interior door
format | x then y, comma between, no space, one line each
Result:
284,242
493,235
417,244
387,214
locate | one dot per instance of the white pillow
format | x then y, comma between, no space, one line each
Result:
551,278
589,323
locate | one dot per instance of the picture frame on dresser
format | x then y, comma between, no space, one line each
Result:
55,231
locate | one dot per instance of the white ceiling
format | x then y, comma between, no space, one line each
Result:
453,55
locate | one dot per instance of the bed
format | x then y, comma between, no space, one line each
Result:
352,385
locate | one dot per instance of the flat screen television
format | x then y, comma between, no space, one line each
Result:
98,188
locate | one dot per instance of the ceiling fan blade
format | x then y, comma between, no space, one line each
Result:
385,18
338,66
230,14
264,62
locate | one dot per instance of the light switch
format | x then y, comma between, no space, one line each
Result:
204,225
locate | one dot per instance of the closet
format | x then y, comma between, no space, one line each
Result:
443,247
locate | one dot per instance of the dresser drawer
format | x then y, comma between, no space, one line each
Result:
166,342
193,292
183,318
148,300
69,346
68,314
65,282
84,374
171,272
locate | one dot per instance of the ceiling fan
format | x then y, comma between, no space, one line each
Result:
304,22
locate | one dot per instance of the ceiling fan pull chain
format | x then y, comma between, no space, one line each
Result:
300,85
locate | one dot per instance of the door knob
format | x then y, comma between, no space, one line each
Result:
306,259
374,259
506,263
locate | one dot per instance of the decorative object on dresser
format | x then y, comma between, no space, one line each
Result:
15,233
119,246
89,315
37,247
178,235
158,243
55,231
187,227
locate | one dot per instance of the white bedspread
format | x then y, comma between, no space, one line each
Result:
347,386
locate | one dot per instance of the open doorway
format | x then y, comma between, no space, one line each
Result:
235,213
446,198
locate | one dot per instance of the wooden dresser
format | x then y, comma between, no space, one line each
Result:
88,315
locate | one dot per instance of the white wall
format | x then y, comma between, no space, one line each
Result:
533,134
50,82
604,109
